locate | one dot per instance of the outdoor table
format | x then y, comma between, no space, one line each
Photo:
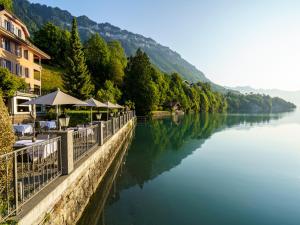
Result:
36,150
48,124
23,128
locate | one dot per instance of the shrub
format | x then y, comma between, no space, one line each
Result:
7,139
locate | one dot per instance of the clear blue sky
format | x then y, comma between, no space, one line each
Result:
234,42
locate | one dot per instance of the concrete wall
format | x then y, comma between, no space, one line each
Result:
64,200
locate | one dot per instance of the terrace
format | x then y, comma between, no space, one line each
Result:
45,152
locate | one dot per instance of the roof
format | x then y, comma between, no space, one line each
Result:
20,40
15,18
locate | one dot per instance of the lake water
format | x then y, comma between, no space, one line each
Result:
205,169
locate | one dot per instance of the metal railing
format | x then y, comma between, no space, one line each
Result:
25,171
107,130
84,140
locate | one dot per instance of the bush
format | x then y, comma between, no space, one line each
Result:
10,83
7,139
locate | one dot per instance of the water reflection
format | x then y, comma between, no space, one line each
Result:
159,146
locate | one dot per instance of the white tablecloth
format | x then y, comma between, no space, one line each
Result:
48,124
89,131
38,151
23,128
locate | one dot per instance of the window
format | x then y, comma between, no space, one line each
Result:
20,107
26,55
27,72
6,64
7,25
7,46
18,50
19,33
19,70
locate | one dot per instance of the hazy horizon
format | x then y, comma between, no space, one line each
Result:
235,44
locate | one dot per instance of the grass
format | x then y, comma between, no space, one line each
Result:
51,78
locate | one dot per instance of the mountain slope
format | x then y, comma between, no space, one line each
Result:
35,15
292,96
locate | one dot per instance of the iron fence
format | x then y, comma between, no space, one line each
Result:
107,130
84,140
25,171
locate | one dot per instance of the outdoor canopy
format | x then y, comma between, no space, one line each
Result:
93,103
55,98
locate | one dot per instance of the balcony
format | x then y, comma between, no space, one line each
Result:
30,92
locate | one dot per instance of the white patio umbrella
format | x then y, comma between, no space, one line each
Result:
55,98
119,106
93,103
110,105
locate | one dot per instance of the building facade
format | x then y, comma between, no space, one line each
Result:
22,59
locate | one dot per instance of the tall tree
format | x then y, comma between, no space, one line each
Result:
55,41
98,56
77,79
139,85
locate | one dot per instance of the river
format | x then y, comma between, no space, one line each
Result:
205,170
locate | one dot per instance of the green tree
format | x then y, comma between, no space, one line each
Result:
109,92
10,83
117,52
98,57
77,79
115,71
54,41
139,85
8,4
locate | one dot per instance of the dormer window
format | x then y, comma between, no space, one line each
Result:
19,33
7,25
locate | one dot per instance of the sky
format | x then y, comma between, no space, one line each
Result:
234,42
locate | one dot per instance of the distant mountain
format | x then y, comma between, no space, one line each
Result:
35,15
291,96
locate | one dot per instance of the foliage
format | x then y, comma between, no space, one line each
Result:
8,4
9,83
257,103
76,79
109,93
98,55
7,139
118,62
106,61
55,41
139,85
52,79
130,104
